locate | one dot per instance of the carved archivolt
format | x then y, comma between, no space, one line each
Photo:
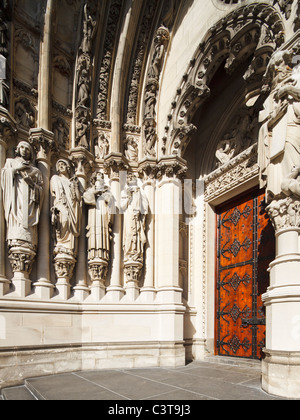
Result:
254,30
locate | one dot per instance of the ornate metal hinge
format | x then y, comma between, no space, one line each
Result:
253,321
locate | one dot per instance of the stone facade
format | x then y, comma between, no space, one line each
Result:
123,125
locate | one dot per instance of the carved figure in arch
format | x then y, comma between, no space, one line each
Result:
61,133
24,114
150,137
101,146
150,99
22,187
279,139
89,30
66,209
161,41
83,88
131,149
226,150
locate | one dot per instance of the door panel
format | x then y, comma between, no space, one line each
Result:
246,246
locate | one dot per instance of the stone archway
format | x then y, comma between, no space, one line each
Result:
253,31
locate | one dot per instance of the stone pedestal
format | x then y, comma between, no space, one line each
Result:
98,272
282,302
7,129
64,267
132,271
21,259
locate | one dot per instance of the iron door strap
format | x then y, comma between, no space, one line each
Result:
253,321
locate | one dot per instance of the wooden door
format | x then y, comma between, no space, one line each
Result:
246,246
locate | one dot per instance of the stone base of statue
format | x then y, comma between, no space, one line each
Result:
98,272
64,267
21,259
132,271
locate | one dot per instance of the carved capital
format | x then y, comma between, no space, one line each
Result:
133,271
148,169
98,270
114,164
64,265
83,161
285,213
21,259
173,167
43,142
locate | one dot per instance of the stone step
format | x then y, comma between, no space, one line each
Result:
18,393
234,361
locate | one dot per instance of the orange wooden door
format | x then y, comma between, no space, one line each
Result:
246,246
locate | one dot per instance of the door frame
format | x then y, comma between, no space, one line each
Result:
210,260
253,195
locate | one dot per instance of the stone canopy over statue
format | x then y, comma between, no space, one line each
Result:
279,142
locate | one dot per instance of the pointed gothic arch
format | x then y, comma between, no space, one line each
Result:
253,33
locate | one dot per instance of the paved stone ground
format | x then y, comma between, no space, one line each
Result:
196,381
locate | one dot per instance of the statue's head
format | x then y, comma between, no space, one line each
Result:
25,151
63,167
279,68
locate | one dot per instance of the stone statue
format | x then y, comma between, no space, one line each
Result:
22,186
134,204
101,146
226,150
279,139
66,210
161,42
89,30
291,185
131,150
100,201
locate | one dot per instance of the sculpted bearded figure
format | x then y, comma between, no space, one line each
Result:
22,186
100,202
279,143
66,210
135,207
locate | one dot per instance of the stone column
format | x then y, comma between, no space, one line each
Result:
115,165
281,366
44,144
83,161
7,129
169,208
167,228
148,171
44,118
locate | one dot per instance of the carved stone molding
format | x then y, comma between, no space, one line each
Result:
240,169
253,30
